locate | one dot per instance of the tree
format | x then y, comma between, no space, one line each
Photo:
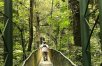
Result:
74,5
37,30
8,33
31,26
100,20
37,14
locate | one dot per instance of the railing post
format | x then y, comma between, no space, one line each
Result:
8,33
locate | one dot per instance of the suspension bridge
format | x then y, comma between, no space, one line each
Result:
55,58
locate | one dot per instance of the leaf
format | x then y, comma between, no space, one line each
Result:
1,4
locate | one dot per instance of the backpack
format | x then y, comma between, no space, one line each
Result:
44,46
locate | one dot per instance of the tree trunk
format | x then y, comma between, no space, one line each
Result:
31,26
100,20
74,5
37,30
23,44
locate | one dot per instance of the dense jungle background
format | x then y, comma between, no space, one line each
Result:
72,27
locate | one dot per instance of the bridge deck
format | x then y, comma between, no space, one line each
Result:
55,58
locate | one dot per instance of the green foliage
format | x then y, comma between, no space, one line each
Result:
1,3
55,27
1,26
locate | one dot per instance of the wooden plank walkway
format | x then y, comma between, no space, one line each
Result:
45,63
55,58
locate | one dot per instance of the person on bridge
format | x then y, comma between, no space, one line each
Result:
44,48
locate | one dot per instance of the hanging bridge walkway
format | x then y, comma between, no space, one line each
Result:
55,58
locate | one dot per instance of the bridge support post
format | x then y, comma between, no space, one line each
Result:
85,32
